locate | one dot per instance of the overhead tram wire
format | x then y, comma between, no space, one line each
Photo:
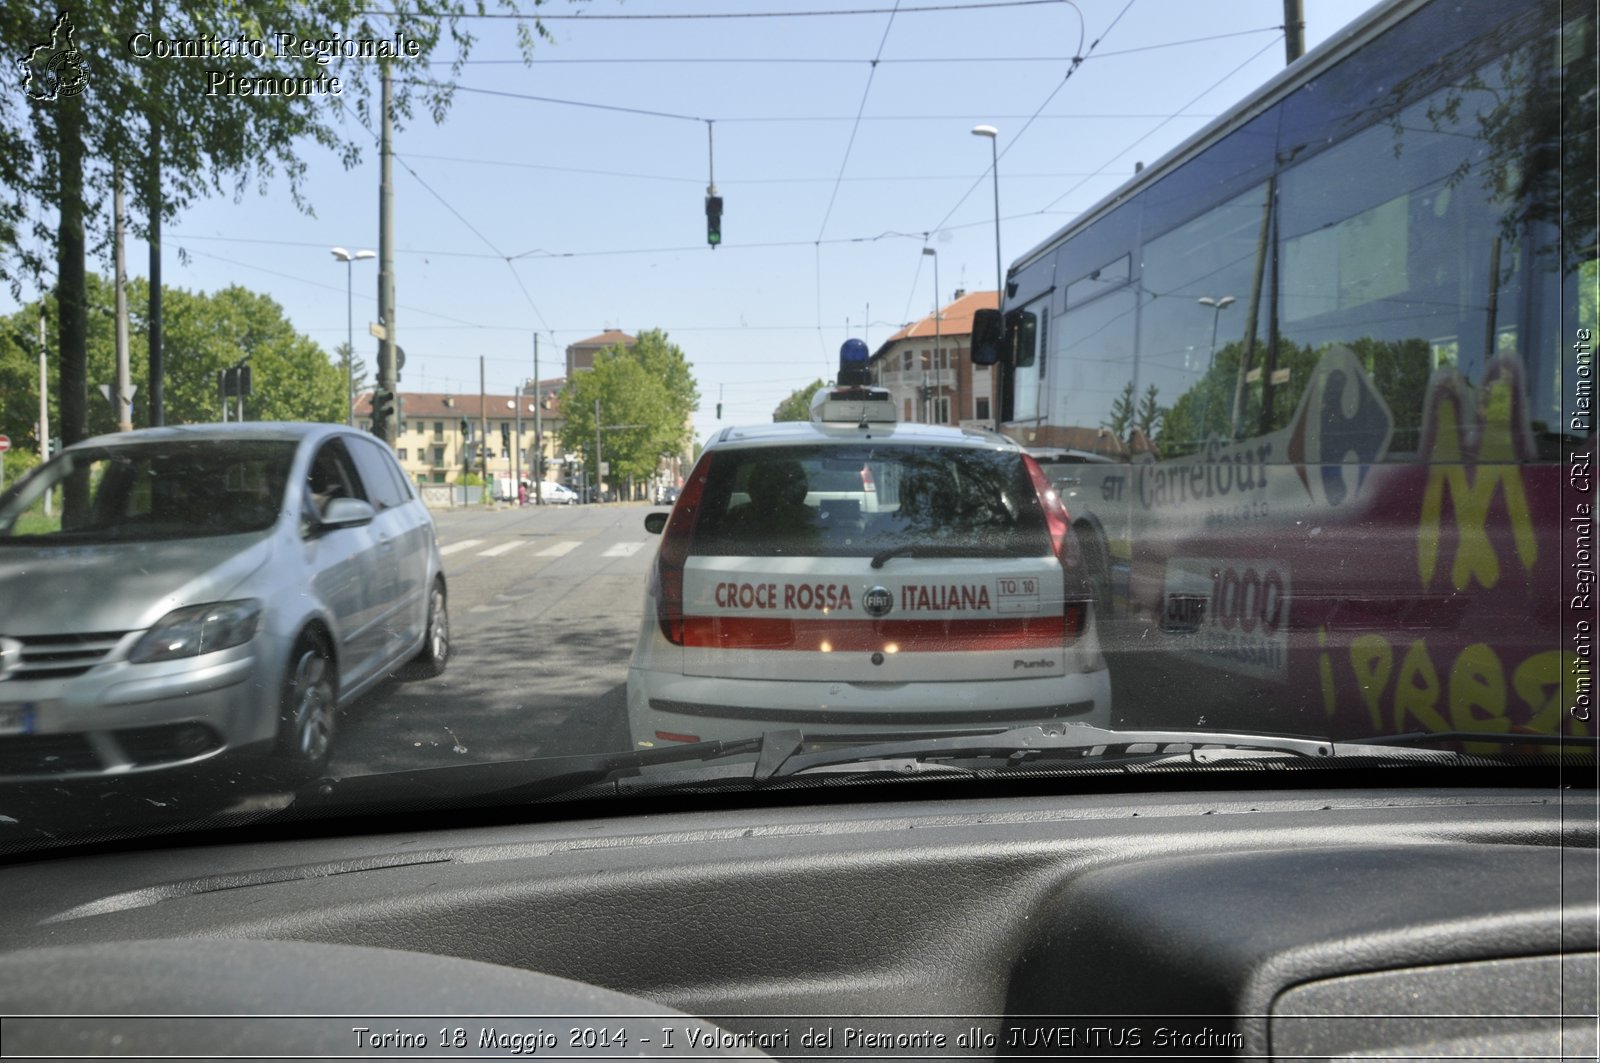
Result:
833,197
866,91
1078,60
615,251
693,16
712,60
487,242
1152,131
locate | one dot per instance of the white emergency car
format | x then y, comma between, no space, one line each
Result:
945,593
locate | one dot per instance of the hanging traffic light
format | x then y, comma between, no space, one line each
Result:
713,220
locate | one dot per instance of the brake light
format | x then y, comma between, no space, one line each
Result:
1056,517
868,485
675,551
1065,544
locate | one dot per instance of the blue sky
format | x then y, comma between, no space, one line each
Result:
602,212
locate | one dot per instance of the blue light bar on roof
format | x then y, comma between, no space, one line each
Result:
853,358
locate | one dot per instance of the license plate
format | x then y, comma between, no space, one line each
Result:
19,717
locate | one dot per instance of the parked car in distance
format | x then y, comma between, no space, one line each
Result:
208,589
555,494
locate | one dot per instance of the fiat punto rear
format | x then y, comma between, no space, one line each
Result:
945,595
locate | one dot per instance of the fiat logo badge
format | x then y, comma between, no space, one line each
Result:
878,601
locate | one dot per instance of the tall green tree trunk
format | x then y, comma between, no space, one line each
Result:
72,291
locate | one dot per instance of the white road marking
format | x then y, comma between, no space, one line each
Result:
559,549
503,548
462,545
623,549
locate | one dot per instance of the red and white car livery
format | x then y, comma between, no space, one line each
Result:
945,595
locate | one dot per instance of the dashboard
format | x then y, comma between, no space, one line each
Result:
1292,922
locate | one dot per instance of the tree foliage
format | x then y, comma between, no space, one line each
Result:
293,378
174,142
646,394
797,407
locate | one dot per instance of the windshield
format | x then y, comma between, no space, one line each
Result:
150,491
429,387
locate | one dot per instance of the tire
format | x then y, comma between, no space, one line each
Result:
1098,564
308,708
435,653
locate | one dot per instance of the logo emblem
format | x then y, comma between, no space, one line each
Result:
10,656
53,70
878,601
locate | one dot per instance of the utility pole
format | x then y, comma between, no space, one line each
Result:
538,428
599,481
384,426
44,404
483,430
1294,30
516,470
157,401
120,390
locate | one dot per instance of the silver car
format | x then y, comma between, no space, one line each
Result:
174,594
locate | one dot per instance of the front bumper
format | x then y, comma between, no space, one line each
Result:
121,719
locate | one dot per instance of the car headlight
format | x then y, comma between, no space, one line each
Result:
197,629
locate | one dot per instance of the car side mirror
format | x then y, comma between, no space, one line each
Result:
988,337
655,523
347,513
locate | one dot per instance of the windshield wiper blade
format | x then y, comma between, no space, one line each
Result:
1026,743
1499,738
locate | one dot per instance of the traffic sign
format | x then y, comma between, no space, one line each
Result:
5,444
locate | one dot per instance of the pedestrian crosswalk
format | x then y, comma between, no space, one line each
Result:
560,548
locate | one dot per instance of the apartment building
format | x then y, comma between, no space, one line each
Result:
928,369
437,428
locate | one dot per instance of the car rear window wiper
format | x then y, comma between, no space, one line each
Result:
940,550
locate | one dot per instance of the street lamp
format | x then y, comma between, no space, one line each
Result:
927,395
1217,307
994,168
349,261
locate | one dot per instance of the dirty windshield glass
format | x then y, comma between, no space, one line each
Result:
424,386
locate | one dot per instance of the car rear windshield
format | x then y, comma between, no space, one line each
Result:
179,489
860,501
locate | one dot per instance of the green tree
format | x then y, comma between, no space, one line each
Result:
649,388
797,407
1151,413
138,116
1122,413
293,379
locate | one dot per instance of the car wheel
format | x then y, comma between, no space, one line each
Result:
435,652
309,705
1098,565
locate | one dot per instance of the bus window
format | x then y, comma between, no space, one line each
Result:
1192,353
1393,246
1094,380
